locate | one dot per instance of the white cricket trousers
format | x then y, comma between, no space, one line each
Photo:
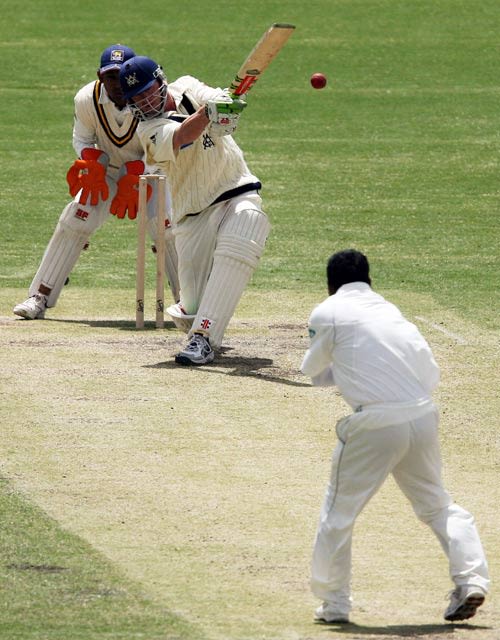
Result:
361,462
218,250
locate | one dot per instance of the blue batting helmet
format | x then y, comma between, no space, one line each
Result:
138,74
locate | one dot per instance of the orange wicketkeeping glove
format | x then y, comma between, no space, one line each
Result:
126,199
88,175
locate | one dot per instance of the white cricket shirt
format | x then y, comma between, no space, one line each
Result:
98,122
362,343
201,171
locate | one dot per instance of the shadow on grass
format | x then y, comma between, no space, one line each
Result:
124,325
224,364
240,366
399,630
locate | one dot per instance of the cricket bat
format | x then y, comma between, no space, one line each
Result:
264,52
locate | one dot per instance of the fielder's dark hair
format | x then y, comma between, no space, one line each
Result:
347,266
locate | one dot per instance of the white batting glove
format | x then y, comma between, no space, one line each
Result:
223,106
225,126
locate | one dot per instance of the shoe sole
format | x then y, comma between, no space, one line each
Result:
467,609
27,316
334,621
187,362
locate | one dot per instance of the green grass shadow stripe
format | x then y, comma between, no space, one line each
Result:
55,585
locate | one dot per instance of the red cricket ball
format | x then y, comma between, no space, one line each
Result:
318,80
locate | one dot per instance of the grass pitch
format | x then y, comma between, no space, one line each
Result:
203,487
140,500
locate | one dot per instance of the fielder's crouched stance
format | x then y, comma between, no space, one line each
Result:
103,180
385,370
219,227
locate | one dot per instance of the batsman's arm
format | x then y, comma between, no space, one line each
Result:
185,133
215,111
190,129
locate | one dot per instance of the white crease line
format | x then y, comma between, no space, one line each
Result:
438,327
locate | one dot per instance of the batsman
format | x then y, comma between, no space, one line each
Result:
103,180
219,227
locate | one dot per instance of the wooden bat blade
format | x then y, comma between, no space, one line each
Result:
266,49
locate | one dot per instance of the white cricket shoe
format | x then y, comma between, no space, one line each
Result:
329,613
464,602
32,308
197,351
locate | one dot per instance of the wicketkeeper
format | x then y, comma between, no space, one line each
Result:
219,227
103,180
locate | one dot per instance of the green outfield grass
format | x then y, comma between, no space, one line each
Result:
398,156
56,586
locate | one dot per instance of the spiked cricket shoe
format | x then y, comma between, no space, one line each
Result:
464,602
328,613
32,308
197,351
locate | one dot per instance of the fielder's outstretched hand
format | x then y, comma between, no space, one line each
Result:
126,199
88,175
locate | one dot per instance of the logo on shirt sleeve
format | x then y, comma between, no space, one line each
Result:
312,332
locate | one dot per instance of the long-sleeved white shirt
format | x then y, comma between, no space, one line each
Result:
99,123
201,171
361,343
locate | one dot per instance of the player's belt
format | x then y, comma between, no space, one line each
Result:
232,193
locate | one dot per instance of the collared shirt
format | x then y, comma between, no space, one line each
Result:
362,343
99,123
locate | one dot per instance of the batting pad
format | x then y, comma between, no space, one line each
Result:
170,257
58,260
239,247
171,264
170,251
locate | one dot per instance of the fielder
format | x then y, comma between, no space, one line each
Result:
385,370
103,180
219,227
